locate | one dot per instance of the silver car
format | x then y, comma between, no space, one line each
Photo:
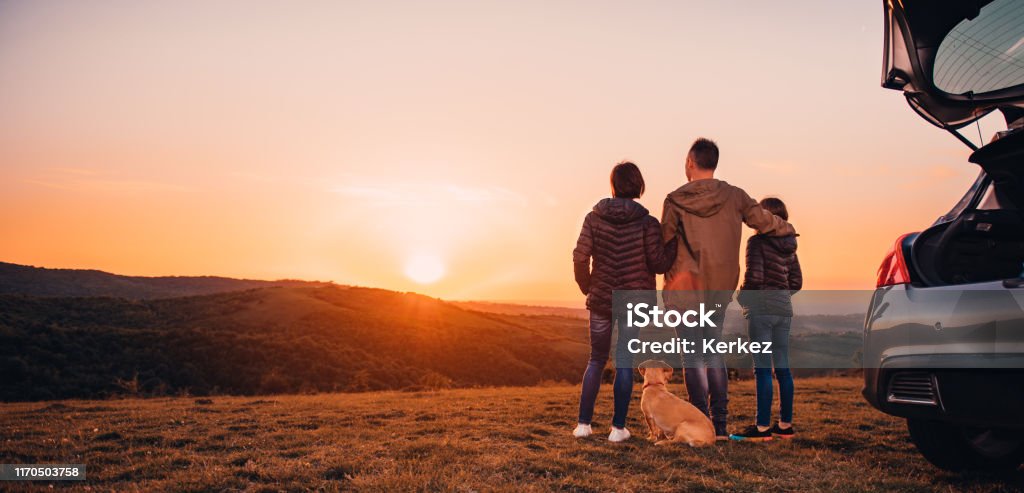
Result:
944,334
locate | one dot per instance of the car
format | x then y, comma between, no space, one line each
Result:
944,332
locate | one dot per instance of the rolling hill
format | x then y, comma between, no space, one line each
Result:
90,334
40,281
270,340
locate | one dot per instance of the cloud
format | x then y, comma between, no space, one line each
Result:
865,170
89,180
782,168
942,171
377,194
932,176
425,194
75,171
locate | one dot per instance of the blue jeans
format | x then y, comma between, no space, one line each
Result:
707,379
600,345
764,328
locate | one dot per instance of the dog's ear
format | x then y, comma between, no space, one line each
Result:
642,370
668,372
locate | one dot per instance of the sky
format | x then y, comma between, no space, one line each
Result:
448,147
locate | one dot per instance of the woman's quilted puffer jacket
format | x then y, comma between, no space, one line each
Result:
625,244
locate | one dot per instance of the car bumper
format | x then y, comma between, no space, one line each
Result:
952,354
992,397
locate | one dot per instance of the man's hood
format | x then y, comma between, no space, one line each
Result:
785,245
619,211
702,198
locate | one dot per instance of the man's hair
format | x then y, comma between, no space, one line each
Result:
627,182
705,153
775,206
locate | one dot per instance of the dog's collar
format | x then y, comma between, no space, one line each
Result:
652,384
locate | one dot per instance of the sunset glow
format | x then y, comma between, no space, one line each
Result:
267,140
424,268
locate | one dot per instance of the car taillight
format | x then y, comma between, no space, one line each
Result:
894,268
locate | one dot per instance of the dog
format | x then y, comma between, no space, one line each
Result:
670,418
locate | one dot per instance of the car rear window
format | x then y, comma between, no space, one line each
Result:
983,54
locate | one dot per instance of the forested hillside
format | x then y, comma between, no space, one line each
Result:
271,340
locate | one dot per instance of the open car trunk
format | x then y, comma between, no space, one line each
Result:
955,62
985,240
978,246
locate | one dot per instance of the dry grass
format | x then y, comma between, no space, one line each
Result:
460,440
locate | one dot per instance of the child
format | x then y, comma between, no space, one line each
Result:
625,244
772,277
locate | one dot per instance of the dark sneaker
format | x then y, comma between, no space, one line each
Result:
752,434
720,433
782,433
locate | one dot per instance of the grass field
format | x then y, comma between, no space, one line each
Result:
459,440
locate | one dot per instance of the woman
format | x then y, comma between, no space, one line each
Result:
625,244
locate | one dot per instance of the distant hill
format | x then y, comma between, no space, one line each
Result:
803,324
271,340
39,281
86,334
514,309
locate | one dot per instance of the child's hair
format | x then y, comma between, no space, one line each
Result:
627,182
775,206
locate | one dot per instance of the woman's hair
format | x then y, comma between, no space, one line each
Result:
627,182
775,206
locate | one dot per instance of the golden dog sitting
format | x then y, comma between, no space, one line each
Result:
670,418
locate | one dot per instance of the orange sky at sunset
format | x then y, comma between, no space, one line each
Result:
375,143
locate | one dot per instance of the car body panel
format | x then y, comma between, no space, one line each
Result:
984,320
958,335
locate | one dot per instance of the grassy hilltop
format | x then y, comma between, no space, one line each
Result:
460,440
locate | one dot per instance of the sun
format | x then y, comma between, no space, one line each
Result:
424,268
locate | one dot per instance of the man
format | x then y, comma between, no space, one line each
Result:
706,215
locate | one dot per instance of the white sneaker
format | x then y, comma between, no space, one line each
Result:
582,431
618,435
